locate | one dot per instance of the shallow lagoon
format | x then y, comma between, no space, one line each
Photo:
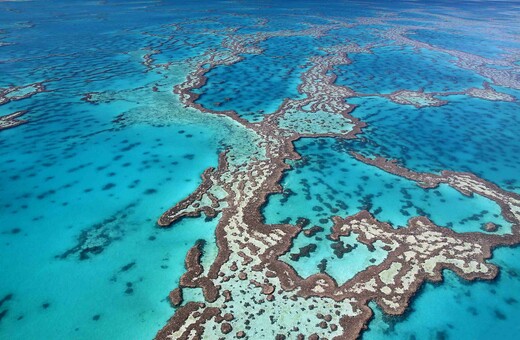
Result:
329,181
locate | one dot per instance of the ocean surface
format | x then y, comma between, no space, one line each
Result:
109,147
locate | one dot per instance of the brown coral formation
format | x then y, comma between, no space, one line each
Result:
248,274
503,77
202,200
247,286
15,93
421,99
419,252
242,238
464,182
488,93
416,98
11,120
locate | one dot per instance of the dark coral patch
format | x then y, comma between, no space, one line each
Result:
108,186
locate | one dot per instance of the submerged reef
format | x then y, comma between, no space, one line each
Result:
249,291
16,93
11,120
312,171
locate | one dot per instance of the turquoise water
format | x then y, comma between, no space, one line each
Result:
479,44
82,190
260,83
329,182
468,134
324,256
459,310
67,180
52,200
383,71
83,184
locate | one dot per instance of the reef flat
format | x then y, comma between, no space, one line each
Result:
313,171
249,250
